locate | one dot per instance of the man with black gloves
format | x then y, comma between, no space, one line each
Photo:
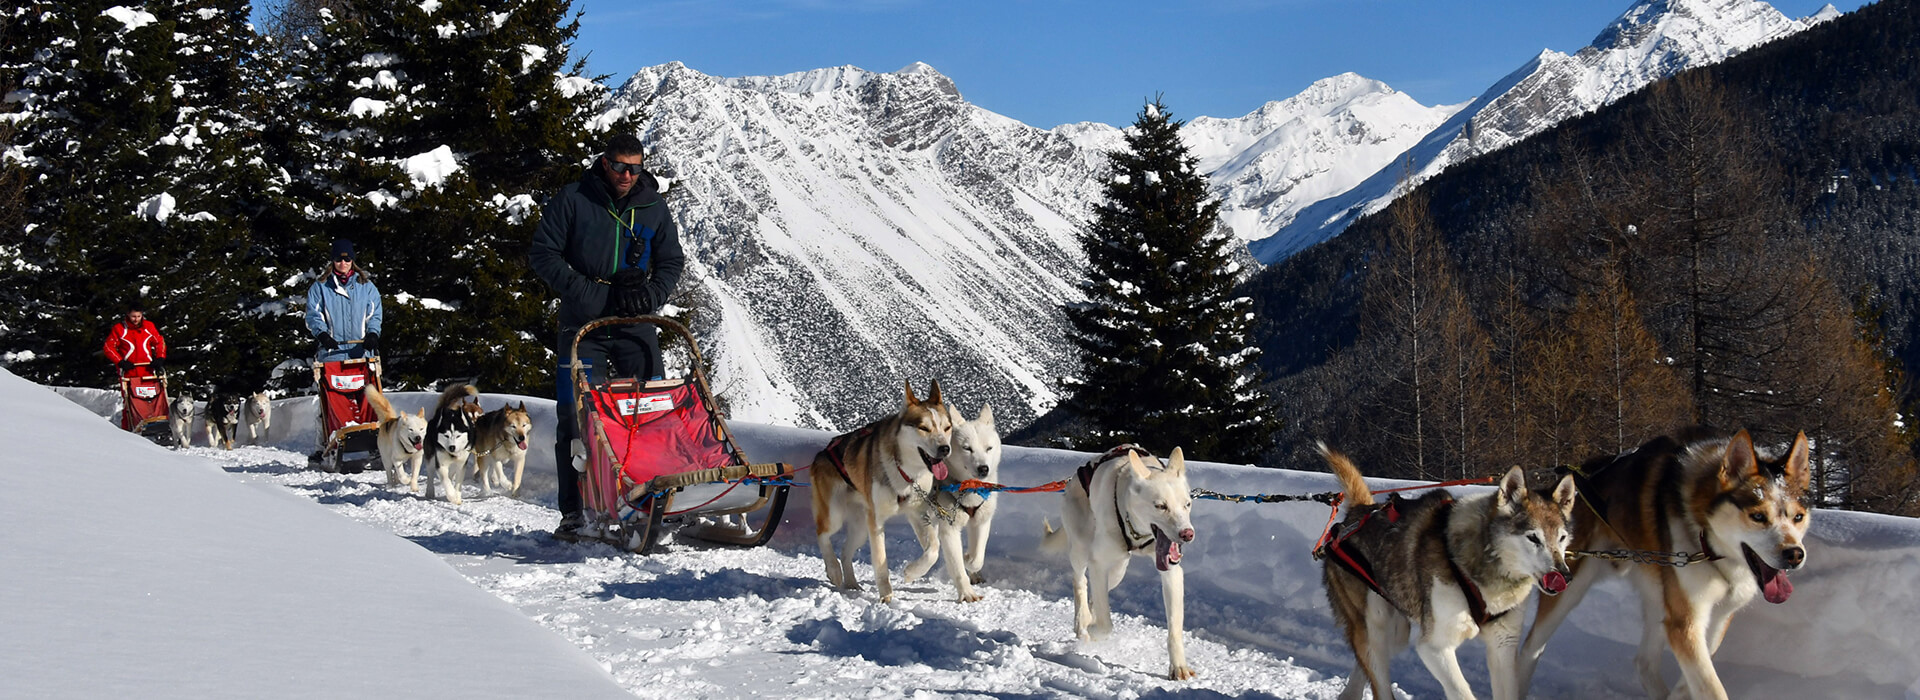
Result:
133,342
609,247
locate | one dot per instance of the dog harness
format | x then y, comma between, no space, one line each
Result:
1086,484
1356,563
837,452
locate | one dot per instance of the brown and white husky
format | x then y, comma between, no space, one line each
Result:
865,477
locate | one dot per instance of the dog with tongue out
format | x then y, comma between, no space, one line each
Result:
1737,513
1460,565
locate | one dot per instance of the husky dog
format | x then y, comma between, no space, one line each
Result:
259,416
450,440
1716,496
180,420
501,436
870,474
223,420
1118,508
1462,568
938,522
402,438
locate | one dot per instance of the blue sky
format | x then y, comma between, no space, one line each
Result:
1048,62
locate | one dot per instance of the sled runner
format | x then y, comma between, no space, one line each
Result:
143,406
349,439
656,457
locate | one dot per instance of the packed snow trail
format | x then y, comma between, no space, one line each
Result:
695,621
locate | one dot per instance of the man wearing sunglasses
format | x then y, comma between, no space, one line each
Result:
608,246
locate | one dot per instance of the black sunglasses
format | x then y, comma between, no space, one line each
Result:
344,258
624,168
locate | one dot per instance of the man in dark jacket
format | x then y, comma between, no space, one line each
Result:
608,245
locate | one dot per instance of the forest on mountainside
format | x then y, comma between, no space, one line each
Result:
1736,247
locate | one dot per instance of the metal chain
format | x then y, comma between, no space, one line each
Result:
1641,556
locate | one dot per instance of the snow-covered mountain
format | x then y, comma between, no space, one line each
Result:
1652,40
852,229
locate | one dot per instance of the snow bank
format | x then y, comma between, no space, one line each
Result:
133,571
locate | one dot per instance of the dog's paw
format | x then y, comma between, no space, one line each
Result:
1181,673
969,597
976,579
1099,631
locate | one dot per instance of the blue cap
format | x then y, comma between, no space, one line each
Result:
342,248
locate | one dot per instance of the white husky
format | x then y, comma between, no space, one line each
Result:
259,416
1118,508
402,438
938,525
180,420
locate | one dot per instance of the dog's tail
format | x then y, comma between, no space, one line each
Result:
1052,541
1355,487
455,394
374,398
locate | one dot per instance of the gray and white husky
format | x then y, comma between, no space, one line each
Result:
180,419
1461,566
938,524
1117,508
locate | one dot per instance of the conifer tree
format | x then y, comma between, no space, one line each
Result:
141,182
428,133
1163,336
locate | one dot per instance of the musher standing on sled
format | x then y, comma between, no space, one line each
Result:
136,349
342,306
608,245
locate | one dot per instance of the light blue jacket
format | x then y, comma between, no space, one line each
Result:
347,312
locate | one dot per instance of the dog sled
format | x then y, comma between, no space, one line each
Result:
143,406
656,457
349,428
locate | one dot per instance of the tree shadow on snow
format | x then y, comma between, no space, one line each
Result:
714,585
943,644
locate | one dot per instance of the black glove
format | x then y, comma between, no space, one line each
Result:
630,297
124,365
158,363
327,342
370,343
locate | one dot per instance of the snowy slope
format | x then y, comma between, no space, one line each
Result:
721,623
850,227
1652,40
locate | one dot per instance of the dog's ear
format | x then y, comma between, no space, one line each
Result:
1797,475
1177,463
911,399
422,412
986,415
1139,469
1563,495
1513,490
935,396
1738,461
523,406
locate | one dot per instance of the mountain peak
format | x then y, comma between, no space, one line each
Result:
1694,22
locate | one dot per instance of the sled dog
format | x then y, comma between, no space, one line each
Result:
1116,508
223,420
864,477
259,416
1716,496
499,437
938,522
450,440
1460,566
180,420
401,437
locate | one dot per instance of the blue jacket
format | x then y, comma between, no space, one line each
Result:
348,312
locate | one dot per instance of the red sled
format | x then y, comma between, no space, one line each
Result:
143,407
349,428
657,458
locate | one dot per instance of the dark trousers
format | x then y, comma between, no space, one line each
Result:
631,351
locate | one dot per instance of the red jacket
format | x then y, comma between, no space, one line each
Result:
140,344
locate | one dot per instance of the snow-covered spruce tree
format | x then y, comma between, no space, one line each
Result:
1163,337
141,182
428,133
